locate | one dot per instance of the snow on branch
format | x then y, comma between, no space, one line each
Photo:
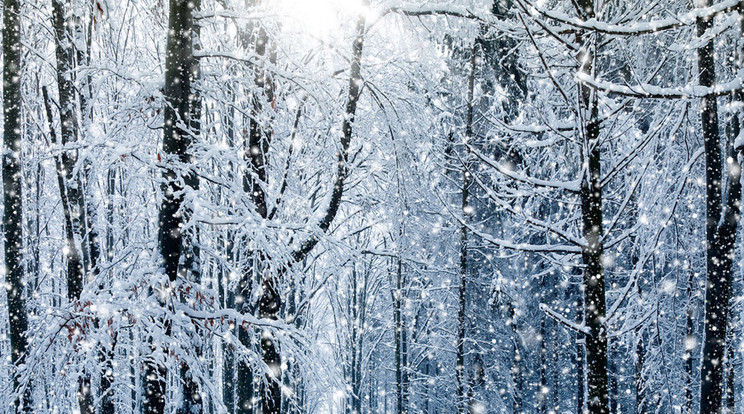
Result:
571,186
523,247
657,92
433,10
563,321
638,28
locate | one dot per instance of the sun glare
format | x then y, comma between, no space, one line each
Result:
320,17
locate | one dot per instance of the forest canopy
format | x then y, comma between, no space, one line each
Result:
372,206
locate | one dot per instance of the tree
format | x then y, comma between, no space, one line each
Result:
13,199
722,221
181,109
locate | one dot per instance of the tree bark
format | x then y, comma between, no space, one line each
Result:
462,405
689,344
13,197
69,183
402,407
516,369
180,107
69,188
591,209
721,226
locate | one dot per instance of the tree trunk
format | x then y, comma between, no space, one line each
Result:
461,401
689,345
13,196
516,369
69,183
721,227
580,357
716,296
730,376
69,188
227,299
591,209
357,307
399,327
640,384
259,139
179,109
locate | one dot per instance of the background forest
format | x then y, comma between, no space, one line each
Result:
372,206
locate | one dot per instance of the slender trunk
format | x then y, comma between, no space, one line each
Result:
716,296
176,140
591,210
191,398
405,364
107,375
730,397
516,369
689,346
427,385
69,188
594,289
227,299
110,210
580,358
556,374
721,227
542,387
640,384
69,183
13,196
244,373
259,139
179,108
465,205
356,340
398,319
71,203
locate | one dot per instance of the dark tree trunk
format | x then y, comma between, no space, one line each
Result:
357,317
516,369
640,384
176,139
591,209
462,404
594,289
13,195
180,107
716,296
580,357
730,397
541,388
68,183
721,227
689,345
227,299
254,181
402,407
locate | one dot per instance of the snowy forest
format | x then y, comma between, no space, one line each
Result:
372,206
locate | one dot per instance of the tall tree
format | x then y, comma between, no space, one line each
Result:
181,106
69,182
13,198
721,224
592,224
462,402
